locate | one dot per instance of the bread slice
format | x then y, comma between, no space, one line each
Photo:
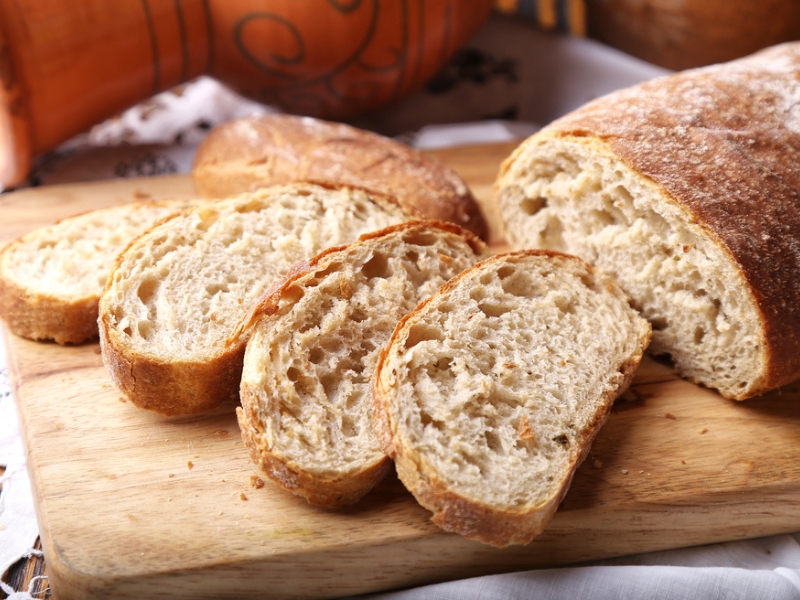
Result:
685,189
313,343
178,291
51,278
489,394
252,152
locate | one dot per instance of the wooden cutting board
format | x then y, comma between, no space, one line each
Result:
135,505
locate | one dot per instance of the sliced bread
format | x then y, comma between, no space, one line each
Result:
685,189
489,394
51,279
178,291
252,152
313,344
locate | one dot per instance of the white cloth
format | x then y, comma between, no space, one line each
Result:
523,78
18,529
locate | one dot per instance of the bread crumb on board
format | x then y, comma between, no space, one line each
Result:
256,482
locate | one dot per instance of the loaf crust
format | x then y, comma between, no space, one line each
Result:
253,152
312,347
51,278
406,405
178,291
720,146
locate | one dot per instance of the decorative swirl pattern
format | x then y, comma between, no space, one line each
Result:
253,19
368,53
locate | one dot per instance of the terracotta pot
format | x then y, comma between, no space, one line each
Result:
680,34
66,66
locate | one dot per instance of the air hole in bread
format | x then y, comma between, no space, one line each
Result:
215,288
412,256
493,310
207,219
145,328
422,333
519,286
699,334
428,421
658,323
505,272
531,206
316,355
493,441
331,345
349,427
562,440
419,238
329,384
320,275
377,266
564,304
603,217
553,234
147,290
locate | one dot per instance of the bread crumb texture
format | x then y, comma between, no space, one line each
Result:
495,388
308,365
685,189
181,289
51,279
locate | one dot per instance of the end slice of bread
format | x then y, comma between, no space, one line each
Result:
313,344
686,190
177,293
51,279
490,394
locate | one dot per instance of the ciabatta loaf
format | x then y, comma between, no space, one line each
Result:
51,279
305,392
489,394
179,290
253,152
686,189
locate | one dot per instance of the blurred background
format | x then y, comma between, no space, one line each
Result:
71,73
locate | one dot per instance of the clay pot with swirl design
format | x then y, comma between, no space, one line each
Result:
66,66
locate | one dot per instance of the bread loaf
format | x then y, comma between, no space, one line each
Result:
51,279
313,343
685,189
489,394
179,290
253,152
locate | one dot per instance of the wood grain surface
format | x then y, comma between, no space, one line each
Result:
135,505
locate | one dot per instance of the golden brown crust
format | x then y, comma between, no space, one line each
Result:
724,144
65,320
327,492
253,152
41,317
268,304
453,512
319,491
172,388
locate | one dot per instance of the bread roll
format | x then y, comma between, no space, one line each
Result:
685,189
489,394
313,344
178,291
245,154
